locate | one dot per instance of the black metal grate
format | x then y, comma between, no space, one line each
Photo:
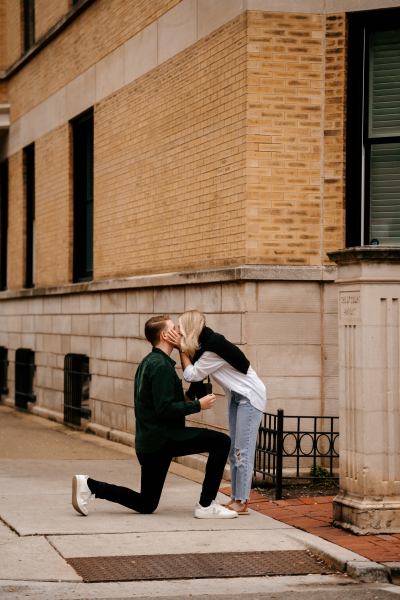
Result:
198,566
282,436
24,372
76,388
3,371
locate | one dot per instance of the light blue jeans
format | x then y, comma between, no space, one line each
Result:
244,421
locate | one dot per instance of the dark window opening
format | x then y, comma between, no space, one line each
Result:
3,224
29,169
29,24
24,372
76,388
3,371
373,129
83,197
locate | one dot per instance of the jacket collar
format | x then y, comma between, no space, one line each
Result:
158,351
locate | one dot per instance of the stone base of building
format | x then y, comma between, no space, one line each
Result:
367,516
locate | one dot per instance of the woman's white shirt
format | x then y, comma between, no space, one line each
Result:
231,380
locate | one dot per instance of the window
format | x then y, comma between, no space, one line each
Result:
29,24
24,372
83,197
76,388
3,371
373,129
3,224
29,169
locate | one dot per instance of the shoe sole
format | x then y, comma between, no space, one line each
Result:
75,495
216,516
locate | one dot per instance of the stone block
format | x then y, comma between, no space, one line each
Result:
239,297
124,391
101,325
14,341
43,324
289,297
52,343
4,339
81,92
28,340
331,387
43,377
212,14
52,305
71,304
331,298
39,342
331,361
80,325
113,348
366,572
28,324
90,303
110,73
205,298
130,420
121,370
80,344
95,347
98,367
113,415
137,350
251,353
10,307
331,328
102,388
169,300
4,323
113,302
126,325
15,324
282,329
141,53
58,380
230,325
289,361
65,344
41,358
61,324
35,306
177,30
292,387
142,321
52,399
140,301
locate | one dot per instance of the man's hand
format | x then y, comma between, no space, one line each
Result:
175,338
207,402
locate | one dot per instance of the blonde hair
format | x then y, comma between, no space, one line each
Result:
192,323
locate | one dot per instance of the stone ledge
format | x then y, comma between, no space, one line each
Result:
366,253
364,572
238,274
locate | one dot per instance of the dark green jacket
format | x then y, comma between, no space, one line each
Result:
160,408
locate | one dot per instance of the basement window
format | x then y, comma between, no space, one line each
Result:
76,388
24,373
3,371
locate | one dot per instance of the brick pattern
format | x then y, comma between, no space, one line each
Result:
95,33
335,133
3,35
169,163
16,222
48,13
314,515
54,207
14,30
285,65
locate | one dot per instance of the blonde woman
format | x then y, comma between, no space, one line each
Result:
204,353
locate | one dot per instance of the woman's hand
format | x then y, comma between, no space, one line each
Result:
207,402
174,337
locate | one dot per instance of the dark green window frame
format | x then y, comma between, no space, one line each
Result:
82,131
4,224
29,171
29,23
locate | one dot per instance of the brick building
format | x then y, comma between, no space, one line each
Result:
163,155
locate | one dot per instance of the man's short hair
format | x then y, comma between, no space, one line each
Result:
154,327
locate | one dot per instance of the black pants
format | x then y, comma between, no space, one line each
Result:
155,466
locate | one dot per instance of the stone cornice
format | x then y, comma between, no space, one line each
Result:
366,253
240,274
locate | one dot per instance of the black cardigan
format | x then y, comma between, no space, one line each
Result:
215,342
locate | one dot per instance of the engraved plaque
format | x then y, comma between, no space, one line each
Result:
350,306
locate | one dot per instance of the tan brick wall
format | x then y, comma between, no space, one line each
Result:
53,208
16,222
3,35
48,13
95,33
169,189
335,133
14,30
284,126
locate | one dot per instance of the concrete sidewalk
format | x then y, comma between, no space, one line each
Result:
39,528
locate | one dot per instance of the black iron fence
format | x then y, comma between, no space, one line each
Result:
24,373
296,438
3,370
76,388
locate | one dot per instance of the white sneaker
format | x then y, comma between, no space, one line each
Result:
214,511
80,493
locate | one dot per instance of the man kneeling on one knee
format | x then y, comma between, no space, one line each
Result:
160,411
